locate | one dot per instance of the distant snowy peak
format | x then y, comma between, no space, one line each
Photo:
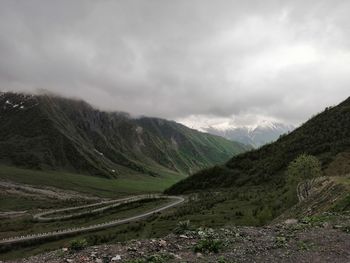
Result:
256,135
226,126
264,124
268,125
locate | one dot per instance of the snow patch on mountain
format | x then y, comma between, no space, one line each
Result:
13,101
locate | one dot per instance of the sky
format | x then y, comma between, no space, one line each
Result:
199,62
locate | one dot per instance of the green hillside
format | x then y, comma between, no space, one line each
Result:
252,188
51,133
326,136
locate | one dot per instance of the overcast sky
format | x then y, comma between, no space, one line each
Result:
194,61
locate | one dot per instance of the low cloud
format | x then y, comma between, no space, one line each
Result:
283,60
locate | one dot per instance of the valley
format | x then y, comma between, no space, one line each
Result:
57,205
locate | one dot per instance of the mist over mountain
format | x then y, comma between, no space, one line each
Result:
255,135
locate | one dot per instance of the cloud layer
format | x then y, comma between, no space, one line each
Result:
284,60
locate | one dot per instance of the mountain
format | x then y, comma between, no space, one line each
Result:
49,132
257,135
326,136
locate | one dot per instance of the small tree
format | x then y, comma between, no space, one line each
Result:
304,169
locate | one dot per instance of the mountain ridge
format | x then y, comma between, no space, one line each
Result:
256,135
51,132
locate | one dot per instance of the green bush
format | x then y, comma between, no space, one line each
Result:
156,258
208,245
78,244
159,258
304,245
183,227
222,260
316,220
281,241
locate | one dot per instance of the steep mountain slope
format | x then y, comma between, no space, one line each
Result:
262,133
326,136
47,132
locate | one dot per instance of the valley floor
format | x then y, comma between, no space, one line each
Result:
324,238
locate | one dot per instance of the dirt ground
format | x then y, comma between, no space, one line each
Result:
310,240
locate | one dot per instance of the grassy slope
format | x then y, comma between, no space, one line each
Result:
253,185
97,186
185,149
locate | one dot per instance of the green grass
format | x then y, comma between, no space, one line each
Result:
344,180
95,186
92,185
17,203
25,225
141,229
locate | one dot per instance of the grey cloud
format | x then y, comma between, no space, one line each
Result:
281,59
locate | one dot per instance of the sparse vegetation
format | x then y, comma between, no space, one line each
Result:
305,245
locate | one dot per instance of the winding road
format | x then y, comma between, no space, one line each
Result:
78,230
43,217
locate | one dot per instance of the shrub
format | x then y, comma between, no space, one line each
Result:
281,241
182,227
159,258
304,245
222,260
156,258
78,244
137,260
208,245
